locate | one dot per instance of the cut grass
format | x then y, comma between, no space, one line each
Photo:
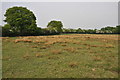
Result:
56,52
96,56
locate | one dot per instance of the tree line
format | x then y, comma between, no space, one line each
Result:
22,22
105,30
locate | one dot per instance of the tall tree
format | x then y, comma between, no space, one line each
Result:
20,19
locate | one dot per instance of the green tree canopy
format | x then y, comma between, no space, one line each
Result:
118,29
108,28
20,19
56,25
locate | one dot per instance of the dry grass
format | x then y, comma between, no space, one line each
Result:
92,52
50,57
37,41
56,51
80,48
76,42
34,46
86,44
49,43
50,40
67,38
93,69
6,58
97,58
73,64
38,55
4,38
65,70
109,46
53,57
63,53
43,47
23,40
63,45
71,49
94,46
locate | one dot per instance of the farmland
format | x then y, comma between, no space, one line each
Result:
60,56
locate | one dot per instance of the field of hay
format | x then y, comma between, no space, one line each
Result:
60,56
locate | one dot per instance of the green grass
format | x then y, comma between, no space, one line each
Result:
80,58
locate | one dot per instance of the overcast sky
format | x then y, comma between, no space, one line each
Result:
72,14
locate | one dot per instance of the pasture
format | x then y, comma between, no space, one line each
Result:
60,56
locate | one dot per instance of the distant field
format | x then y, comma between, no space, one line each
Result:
60,56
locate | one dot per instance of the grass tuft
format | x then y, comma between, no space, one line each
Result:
73,64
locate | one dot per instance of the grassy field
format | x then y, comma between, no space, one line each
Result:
60,56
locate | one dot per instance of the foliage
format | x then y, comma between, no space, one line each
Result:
21,20
1,31
6,30
55,26
105,30
118,29
79,30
